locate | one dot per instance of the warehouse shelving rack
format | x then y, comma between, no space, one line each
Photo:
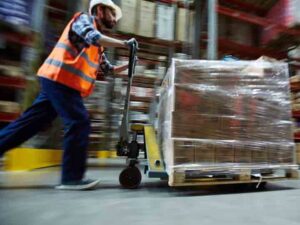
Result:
254,12
250,11
20,36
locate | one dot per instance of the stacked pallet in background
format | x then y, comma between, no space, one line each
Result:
185,23
146,18
165,22
226,116
128,23
295,97
16,36
228,28
157,19
11,79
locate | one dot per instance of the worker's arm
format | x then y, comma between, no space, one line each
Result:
106,41
119,69
84,34
84,28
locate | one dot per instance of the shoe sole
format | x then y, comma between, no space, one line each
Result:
89,186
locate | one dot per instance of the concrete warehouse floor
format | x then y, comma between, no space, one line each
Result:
28,198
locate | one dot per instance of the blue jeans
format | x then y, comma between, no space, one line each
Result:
54,99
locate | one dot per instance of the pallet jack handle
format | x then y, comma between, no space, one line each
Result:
122,146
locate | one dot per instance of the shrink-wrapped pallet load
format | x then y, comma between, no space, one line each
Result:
226,115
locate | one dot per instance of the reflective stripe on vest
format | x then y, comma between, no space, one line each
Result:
70,69
74,54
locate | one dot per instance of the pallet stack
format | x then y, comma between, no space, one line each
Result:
226,115
295,97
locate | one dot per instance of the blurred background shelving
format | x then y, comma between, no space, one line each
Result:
165,29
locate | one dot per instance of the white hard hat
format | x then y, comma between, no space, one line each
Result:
108,3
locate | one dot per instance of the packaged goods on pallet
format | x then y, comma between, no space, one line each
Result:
142,92
226,115
295,53
295,79
185,25
165,22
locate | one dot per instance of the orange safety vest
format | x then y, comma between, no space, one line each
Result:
69,67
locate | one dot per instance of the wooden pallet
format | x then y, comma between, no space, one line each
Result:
180,178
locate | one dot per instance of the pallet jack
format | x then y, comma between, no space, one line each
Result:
128,145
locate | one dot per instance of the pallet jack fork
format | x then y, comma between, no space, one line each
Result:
128,145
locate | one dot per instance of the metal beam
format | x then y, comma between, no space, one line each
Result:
212,47
244,51
245,6
197,30
38,15
248,51
256,20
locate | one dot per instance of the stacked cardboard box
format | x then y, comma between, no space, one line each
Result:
182,24
295,82
217,113
295,97
128,22
237,31
146,19
165,22
185,25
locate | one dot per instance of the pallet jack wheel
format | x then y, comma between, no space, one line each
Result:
130,177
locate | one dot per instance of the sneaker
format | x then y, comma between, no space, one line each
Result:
81,185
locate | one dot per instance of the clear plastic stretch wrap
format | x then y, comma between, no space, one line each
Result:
226,116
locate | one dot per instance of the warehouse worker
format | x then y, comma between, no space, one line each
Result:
67,75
